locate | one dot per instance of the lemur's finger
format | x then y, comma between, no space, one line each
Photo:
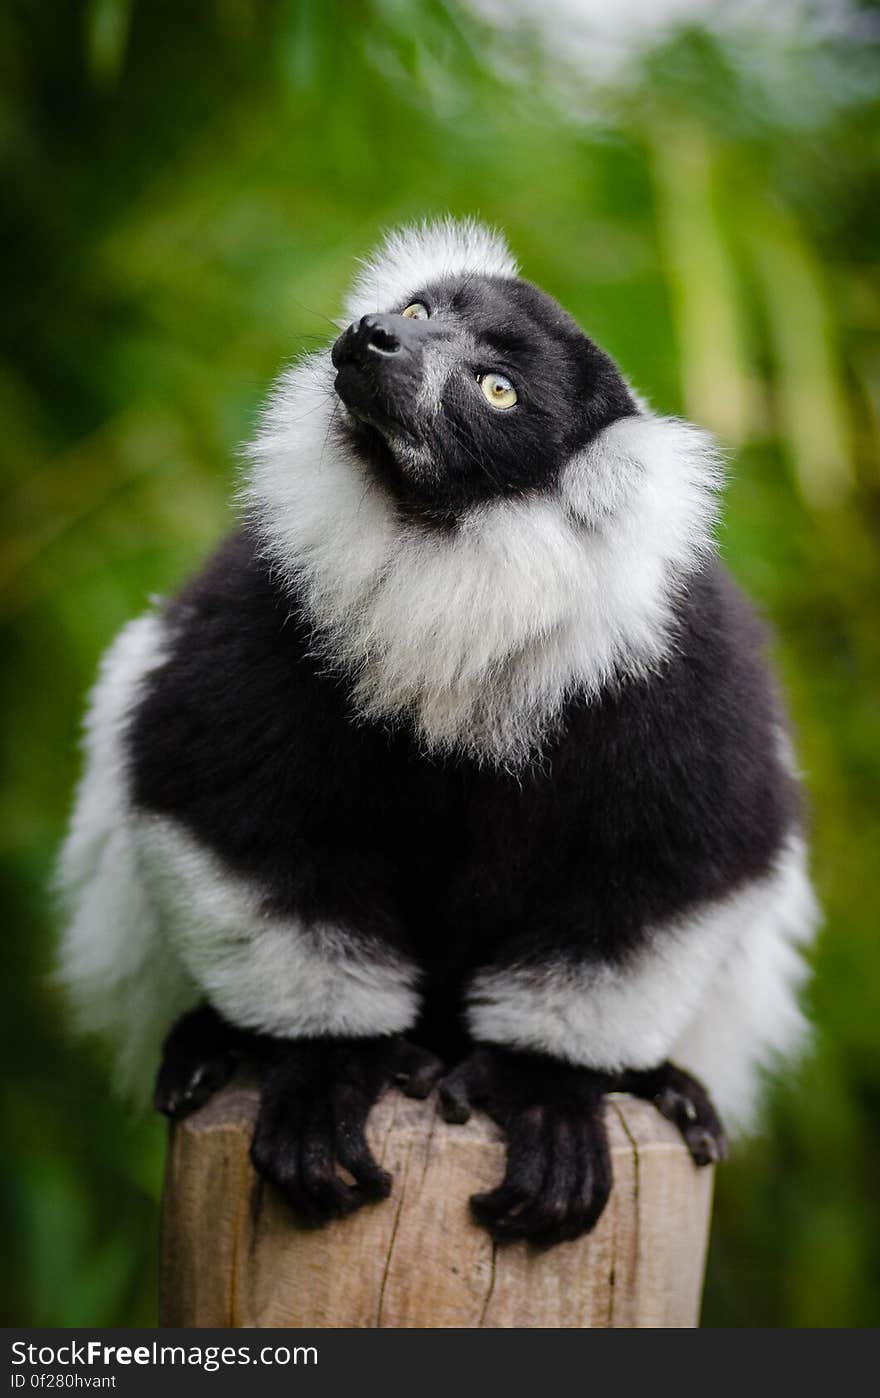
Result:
550,1169
523,1176
198,1058
595,1176
685,1102
705,1149
275,1155
455,1105
467,1085
547,1219
352,1149
329,1196
574,1189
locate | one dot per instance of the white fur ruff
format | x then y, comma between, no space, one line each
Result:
717,992
479,638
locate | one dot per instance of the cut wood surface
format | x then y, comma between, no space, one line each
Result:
234,1255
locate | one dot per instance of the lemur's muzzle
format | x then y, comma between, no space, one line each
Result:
379,334
379,362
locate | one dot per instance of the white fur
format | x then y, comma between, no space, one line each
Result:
717,991
480,637
410,259
264,972
123,977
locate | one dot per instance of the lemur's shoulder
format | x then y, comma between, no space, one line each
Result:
233,585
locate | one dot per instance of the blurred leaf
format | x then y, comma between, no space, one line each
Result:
107,34
811,402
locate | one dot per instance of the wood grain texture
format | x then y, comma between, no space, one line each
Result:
234,1255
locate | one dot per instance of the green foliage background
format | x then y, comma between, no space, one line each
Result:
184,190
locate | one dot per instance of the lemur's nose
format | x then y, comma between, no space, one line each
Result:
379,334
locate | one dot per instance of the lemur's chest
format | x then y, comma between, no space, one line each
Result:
253,747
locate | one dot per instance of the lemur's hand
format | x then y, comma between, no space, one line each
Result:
199,1057
315,1099
558,1175
686,1103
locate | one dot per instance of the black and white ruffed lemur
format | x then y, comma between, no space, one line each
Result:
459,760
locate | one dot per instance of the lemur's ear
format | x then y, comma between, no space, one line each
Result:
663,463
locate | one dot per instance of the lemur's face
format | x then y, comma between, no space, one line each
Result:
477,387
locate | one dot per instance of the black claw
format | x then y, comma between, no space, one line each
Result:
705,1148
330,1196
372,1182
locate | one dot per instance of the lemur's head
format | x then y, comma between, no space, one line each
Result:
472,510
465,383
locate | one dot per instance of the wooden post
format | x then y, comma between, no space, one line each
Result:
234,1255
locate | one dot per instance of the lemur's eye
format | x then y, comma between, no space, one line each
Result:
416,311
497,390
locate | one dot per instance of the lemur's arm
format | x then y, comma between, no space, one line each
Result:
553,1037
557,1023
316,1007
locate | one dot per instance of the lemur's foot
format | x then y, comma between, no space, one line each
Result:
685,1102
315,1100
199,1057
558,1175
